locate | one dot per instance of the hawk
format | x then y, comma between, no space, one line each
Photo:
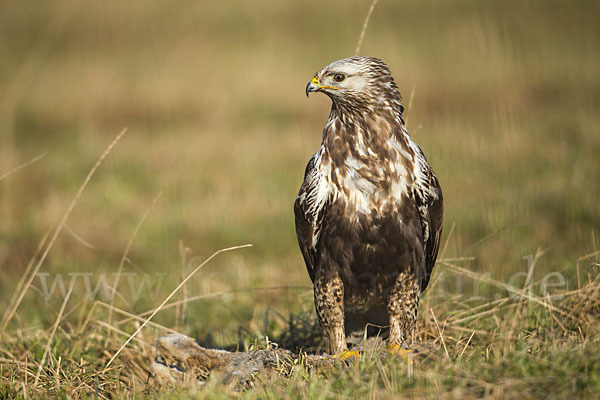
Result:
369,212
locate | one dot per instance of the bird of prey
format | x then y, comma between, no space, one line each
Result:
369,212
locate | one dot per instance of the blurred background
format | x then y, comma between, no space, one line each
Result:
503,97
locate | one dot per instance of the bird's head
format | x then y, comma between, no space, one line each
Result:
358,81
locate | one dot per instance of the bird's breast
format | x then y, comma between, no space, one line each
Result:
369,187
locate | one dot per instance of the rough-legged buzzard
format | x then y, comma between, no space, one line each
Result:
369,212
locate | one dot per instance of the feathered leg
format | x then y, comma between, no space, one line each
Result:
402,309
329,303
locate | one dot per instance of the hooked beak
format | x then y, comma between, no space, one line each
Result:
312,86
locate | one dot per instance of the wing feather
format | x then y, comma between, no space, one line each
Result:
309,210
428,197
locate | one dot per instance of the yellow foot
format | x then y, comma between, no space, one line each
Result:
346,354
398,350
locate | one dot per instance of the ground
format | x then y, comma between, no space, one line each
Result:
503,97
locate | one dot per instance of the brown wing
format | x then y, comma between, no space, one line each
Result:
430,203
435,219
309,209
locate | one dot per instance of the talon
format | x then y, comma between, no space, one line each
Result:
346,354
401,351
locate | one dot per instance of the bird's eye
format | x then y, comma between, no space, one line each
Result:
339,77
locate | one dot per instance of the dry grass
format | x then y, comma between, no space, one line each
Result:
462,350
503,98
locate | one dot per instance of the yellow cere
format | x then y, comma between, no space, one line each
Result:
315,81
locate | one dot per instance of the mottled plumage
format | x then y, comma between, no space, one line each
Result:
369,212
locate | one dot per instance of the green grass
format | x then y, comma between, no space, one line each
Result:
505,99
